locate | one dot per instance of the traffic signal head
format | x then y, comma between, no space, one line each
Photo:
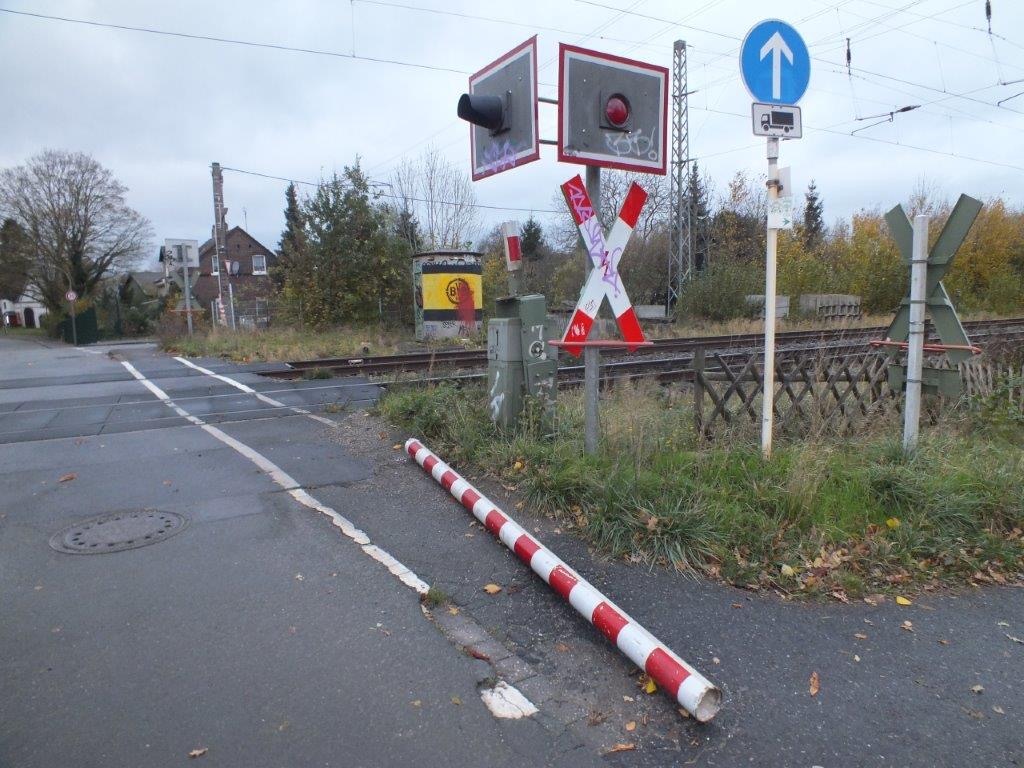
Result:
617,112
501,107
486,111
612,112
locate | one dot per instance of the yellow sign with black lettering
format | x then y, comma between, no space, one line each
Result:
449,290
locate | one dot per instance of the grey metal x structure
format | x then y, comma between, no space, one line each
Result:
940,258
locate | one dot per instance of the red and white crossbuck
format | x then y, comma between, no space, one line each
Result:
605,254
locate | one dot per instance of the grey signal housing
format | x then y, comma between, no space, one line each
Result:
501,107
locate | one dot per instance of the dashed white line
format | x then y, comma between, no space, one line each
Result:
282,478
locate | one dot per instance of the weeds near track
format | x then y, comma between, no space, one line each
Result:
824,516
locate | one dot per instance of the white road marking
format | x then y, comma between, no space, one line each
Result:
288,483
507,701
259,396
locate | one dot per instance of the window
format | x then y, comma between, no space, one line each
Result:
259,264
214,265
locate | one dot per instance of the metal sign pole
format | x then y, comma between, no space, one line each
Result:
592,355
915,347
74,324
188,299
768,390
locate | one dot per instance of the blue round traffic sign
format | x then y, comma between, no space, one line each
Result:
775,63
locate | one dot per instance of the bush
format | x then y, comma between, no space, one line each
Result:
719,292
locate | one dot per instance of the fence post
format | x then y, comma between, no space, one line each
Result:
698,392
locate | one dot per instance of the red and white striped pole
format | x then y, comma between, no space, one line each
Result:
685,684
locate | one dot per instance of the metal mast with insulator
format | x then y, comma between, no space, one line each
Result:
680,256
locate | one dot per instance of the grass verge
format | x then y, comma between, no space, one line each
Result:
827,517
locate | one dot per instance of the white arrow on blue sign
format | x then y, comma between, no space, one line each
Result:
775,63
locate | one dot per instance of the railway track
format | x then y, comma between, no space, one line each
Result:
665,353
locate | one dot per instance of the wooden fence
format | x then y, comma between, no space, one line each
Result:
815,392
811,392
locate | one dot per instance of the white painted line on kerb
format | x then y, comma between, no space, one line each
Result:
288,483
250,391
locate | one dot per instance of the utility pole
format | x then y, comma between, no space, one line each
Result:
680,249
220,229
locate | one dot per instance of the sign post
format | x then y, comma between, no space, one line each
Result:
592,355
184,254
72,297
915,347
776,68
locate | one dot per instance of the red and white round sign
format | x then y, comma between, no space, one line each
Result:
71,296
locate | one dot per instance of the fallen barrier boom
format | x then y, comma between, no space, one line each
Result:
681,681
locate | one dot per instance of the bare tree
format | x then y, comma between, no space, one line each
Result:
439,197
77,224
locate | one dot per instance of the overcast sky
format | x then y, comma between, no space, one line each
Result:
157,110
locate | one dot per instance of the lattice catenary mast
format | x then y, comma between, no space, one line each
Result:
680,255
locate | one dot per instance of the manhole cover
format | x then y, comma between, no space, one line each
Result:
118,531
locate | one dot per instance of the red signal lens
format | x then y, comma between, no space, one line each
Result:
617,110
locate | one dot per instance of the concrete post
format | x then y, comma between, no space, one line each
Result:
915,338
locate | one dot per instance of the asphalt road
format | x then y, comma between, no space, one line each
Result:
265,635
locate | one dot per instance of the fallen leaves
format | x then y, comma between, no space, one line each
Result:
787,570
998,710
518,466
860,635
892,523
416,703
1013,639
901,600
453,610
908,626
68,477
492,589
631,726
562,647
456,701
621,747
396,447
476,654
198,752
978,689
814,685
596,717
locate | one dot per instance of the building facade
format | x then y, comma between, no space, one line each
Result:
246,269
23,313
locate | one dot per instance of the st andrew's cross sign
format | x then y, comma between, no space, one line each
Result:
938,304
605,255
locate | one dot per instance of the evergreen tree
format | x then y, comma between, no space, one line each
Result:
292,248
14,260
408,229
814,223
700,217
356,269
531,240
